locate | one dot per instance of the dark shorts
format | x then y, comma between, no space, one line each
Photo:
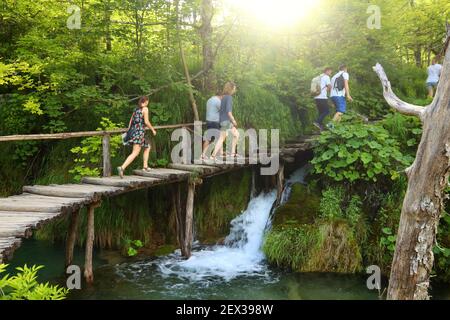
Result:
212,131
340,103
431,85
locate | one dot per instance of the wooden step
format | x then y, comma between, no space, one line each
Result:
164,174
130,182
91,192
200,169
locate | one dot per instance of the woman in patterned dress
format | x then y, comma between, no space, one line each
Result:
139,122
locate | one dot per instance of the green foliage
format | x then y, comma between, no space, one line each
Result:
442,249
24,286
330,204
354,210
336,204
380,246
131,247
353,152
89,154
406,130
388,240
260,109
290,245
326,246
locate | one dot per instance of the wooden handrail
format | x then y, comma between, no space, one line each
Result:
70,135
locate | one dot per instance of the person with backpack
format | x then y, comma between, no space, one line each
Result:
320,87
340,90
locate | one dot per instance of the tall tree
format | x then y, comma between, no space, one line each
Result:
424,199
206,31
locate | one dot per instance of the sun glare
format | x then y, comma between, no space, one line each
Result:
275,13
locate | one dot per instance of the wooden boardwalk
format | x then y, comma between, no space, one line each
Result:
37,205
21,214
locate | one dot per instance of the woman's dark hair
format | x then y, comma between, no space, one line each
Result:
142,100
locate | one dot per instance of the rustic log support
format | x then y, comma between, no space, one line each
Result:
189,230
280,183
179,214
88,270
71,237
184,217
106,155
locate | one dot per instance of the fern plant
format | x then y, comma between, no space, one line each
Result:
24,286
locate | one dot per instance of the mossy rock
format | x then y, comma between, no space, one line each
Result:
165,250
326,246
302,207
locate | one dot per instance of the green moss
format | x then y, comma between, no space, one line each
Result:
326,246
165,250
218,201
303,206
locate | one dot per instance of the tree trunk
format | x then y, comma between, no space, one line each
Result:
185,66
418,56
107,22
424,200
206,31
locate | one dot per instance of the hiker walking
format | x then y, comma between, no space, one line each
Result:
320,88
434,73
340,90
136,132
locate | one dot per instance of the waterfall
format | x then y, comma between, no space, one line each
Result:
241,254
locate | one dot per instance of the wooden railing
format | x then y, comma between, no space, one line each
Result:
106,134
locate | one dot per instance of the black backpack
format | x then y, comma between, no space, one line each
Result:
339,84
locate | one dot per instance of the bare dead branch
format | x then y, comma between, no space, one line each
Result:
394,101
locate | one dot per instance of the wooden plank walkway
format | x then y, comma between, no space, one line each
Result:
21,214
39,204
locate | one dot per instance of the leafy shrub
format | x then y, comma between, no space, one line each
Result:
388,239
354,211
357,152
24,286
330,204
89,154
132,246
405,129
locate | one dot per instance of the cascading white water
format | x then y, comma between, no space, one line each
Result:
241,254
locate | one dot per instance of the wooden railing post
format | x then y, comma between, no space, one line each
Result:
106,155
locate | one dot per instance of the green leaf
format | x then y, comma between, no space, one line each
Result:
366,157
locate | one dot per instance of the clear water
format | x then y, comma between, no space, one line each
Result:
235,270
